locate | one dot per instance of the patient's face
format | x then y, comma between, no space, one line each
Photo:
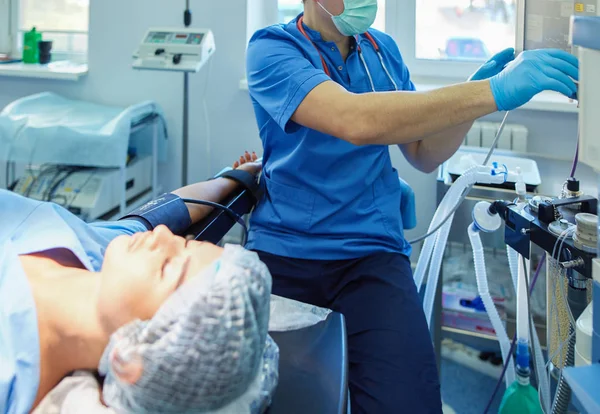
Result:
141,271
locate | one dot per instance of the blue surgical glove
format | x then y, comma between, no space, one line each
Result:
494,66
533,72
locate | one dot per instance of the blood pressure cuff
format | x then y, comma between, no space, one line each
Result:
168,210
243,178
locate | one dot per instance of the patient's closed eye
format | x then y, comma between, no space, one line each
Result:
176,269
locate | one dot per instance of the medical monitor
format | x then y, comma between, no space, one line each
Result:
544,24
174,49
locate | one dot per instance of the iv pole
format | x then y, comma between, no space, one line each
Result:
187,21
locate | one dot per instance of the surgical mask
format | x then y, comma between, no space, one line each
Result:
357,18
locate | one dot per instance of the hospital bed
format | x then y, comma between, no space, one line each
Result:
313,362
98,161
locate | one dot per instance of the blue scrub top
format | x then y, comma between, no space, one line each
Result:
324,197
28,226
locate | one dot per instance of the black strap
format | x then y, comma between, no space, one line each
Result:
245,179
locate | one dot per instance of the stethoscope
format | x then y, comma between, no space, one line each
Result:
360,54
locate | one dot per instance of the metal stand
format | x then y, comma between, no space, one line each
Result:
186,130
187,21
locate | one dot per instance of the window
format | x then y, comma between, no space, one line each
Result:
437,38
65,22
464,30
450,38
5,46
289,9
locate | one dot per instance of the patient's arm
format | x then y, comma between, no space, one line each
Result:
215,190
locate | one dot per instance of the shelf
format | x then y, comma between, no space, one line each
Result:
62,70
469,333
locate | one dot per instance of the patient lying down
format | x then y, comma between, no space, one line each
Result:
174,325
202,349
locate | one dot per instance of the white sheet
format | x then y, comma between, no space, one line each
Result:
49,128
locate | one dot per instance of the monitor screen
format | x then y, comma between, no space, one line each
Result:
195,39
543,24
157,37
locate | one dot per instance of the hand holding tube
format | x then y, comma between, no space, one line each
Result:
533,72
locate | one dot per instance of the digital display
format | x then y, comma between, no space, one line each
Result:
195,39
175,38
157,37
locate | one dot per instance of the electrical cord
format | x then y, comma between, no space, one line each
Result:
80,190
7,176
514,341
45,197
533,358
68,172
439,226
44,169
496,139
467,190
576,158
235,216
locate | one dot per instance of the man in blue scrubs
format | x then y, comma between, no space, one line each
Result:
330,95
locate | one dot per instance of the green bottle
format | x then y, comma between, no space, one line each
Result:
31,51
520,399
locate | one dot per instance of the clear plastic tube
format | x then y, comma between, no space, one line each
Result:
522,311
434,270
490,307
542,376
432,253
513,258
448,203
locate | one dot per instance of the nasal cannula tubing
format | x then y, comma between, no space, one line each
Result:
466,192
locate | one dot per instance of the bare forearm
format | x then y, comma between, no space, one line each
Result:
438,148
404,117
214,190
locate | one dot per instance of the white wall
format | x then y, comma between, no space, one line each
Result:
117,26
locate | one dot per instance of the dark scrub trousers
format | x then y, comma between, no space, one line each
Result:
392,363
329,224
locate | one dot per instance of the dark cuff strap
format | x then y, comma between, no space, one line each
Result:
168,210
245,179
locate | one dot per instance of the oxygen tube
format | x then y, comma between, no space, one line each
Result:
513,262
523,358
432,253
485,219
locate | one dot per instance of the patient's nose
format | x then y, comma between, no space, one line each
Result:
167,241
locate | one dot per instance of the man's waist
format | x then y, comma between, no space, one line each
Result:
313,246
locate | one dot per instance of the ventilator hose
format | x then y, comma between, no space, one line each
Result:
563,391
490,307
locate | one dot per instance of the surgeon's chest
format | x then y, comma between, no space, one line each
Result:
367,73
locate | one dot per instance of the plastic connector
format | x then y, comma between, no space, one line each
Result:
573,185
523,354
499,207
